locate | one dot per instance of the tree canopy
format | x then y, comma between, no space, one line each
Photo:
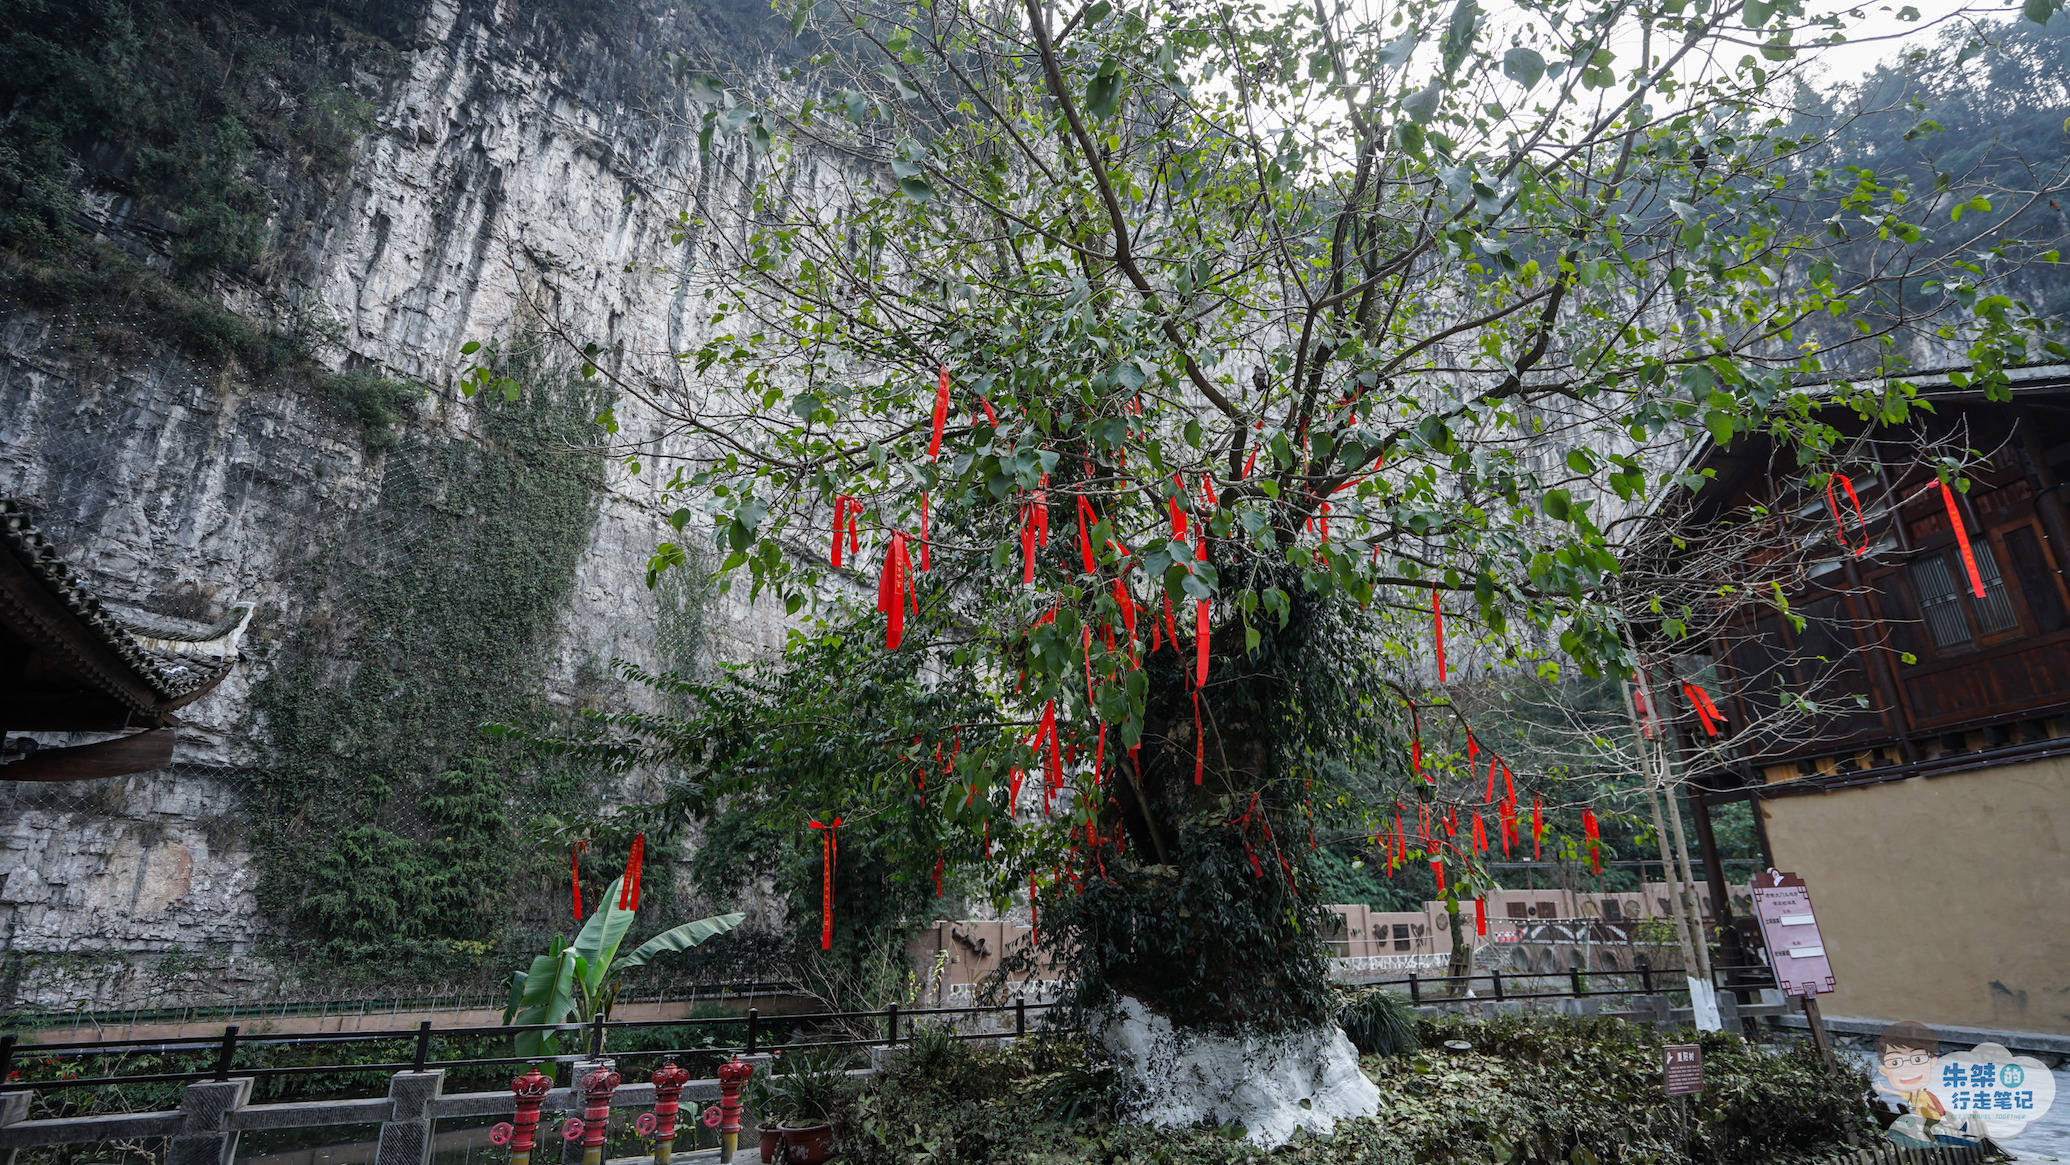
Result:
1181,381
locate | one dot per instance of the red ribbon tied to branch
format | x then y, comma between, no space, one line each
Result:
575,875
847,519
894,591
629,886
1200,625
1706,711
1537,828
1480,915
941,414
1086,521
826,883
1437,620
1594,836
1969,559
1840,527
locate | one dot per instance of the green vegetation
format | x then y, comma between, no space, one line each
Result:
167,109
1534,1090
377,403
383,809
1379,1022
578,980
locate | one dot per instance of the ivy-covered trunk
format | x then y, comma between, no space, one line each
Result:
1196,898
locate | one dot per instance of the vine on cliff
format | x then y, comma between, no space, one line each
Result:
383,810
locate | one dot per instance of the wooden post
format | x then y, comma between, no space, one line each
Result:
1819,1037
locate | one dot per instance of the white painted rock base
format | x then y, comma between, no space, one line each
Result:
1270,1085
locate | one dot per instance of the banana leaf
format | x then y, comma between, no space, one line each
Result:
681,938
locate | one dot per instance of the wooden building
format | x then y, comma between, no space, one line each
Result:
69,666
1927,802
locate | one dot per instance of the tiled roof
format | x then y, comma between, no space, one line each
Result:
174,669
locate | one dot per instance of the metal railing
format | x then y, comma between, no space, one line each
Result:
595,1034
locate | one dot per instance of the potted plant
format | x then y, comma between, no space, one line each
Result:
796,1105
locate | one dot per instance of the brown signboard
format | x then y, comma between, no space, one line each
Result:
1681,1067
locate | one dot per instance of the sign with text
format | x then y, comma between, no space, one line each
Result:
1789,930
1681,1067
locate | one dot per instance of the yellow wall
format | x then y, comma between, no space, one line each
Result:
1943,899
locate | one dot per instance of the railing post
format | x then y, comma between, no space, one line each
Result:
423,1052
1580,988
225,1052
891,1024
205,1136
406,1134
14,1108
6,1058
754,1017
1020,1015
596,1037
1415,988
1645,975
1497,977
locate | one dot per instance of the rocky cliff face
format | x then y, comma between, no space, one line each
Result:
508,167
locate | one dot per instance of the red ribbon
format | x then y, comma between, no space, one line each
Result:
1589,830
1480,915
941,414
1172,503
1702,703
1969,559
893,593
826,884
575,875
1027,544
1437,618
1480,835
848,517
1054,770
1537,828
1200,627
1416,744
629,886
1437,870
1171,626
1839,527
1086,521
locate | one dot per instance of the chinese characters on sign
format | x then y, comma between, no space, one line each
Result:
1682,1069
1783,904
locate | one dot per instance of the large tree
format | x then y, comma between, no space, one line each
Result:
1167,372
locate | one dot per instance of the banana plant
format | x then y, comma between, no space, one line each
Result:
574,981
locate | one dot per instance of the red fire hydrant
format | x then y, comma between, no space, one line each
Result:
530,1090
595,1088
733,1077
669,1080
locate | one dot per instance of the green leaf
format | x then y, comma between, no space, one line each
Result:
1758,11
598,943
1422,104
681,938
1557,504
1524,66
1104,91
2039,11
1459,32
545,994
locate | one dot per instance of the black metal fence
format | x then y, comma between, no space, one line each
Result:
758,1034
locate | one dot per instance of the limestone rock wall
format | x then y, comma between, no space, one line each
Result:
511,173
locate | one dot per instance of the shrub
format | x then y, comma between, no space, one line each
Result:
1379,1022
